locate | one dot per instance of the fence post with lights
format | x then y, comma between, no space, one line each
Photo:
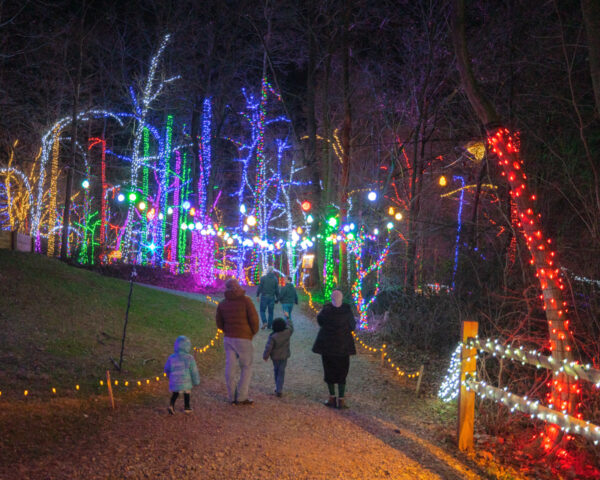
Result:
466,398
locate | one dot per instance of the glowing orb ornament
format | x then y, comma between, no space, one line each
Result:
372,196
85,184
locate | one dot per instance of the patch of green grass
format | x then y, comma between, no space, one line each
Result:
60,326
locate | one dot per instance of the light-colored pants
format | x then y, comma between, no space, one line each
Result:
238,351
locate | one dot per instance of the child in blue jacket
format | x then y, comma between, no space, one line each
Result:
182,371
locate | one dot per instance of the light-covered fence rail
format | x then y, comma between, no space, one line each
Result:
532,357
469,386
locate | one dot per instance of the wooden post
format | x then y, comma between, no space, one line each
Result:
383,354
110,392
419,377
466,400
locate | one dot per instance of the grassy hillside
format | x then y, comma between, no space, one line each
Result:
60,325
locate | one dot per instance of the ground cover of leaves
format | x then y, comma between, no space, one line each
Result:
387,432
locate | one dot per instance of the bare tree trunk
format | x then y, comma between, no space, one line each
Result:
64,245
346,131
474,234
195,133
312,160
591,21
505,145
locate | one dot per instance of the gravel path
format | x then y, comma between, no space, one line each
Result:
293,437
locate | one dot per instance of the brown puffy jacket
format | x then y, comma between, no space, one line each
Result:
236,315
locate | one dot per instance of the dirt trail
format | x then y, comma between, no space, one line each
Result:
293,437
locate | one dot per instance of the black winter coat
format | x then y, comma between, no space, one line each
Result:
335,335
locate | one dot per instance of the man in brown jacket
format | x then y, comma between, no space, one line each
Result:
237,317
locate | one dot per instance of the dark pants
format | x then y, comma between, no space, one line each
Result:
186,400
279,370
335,368
267,301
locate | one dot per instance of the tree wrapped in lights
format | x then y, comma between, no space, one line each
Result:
152,89
260,181
505,145
50,148
330,238
17,201
53,191
356,246
203,239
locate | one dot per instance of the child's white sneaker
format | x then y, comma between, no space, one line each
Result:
171,410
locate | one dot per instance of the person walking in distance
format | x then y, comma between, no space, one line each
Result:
335,344
268,291
288,297
237,317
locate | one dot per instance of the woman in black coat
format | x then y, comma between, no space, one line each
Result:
335,344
